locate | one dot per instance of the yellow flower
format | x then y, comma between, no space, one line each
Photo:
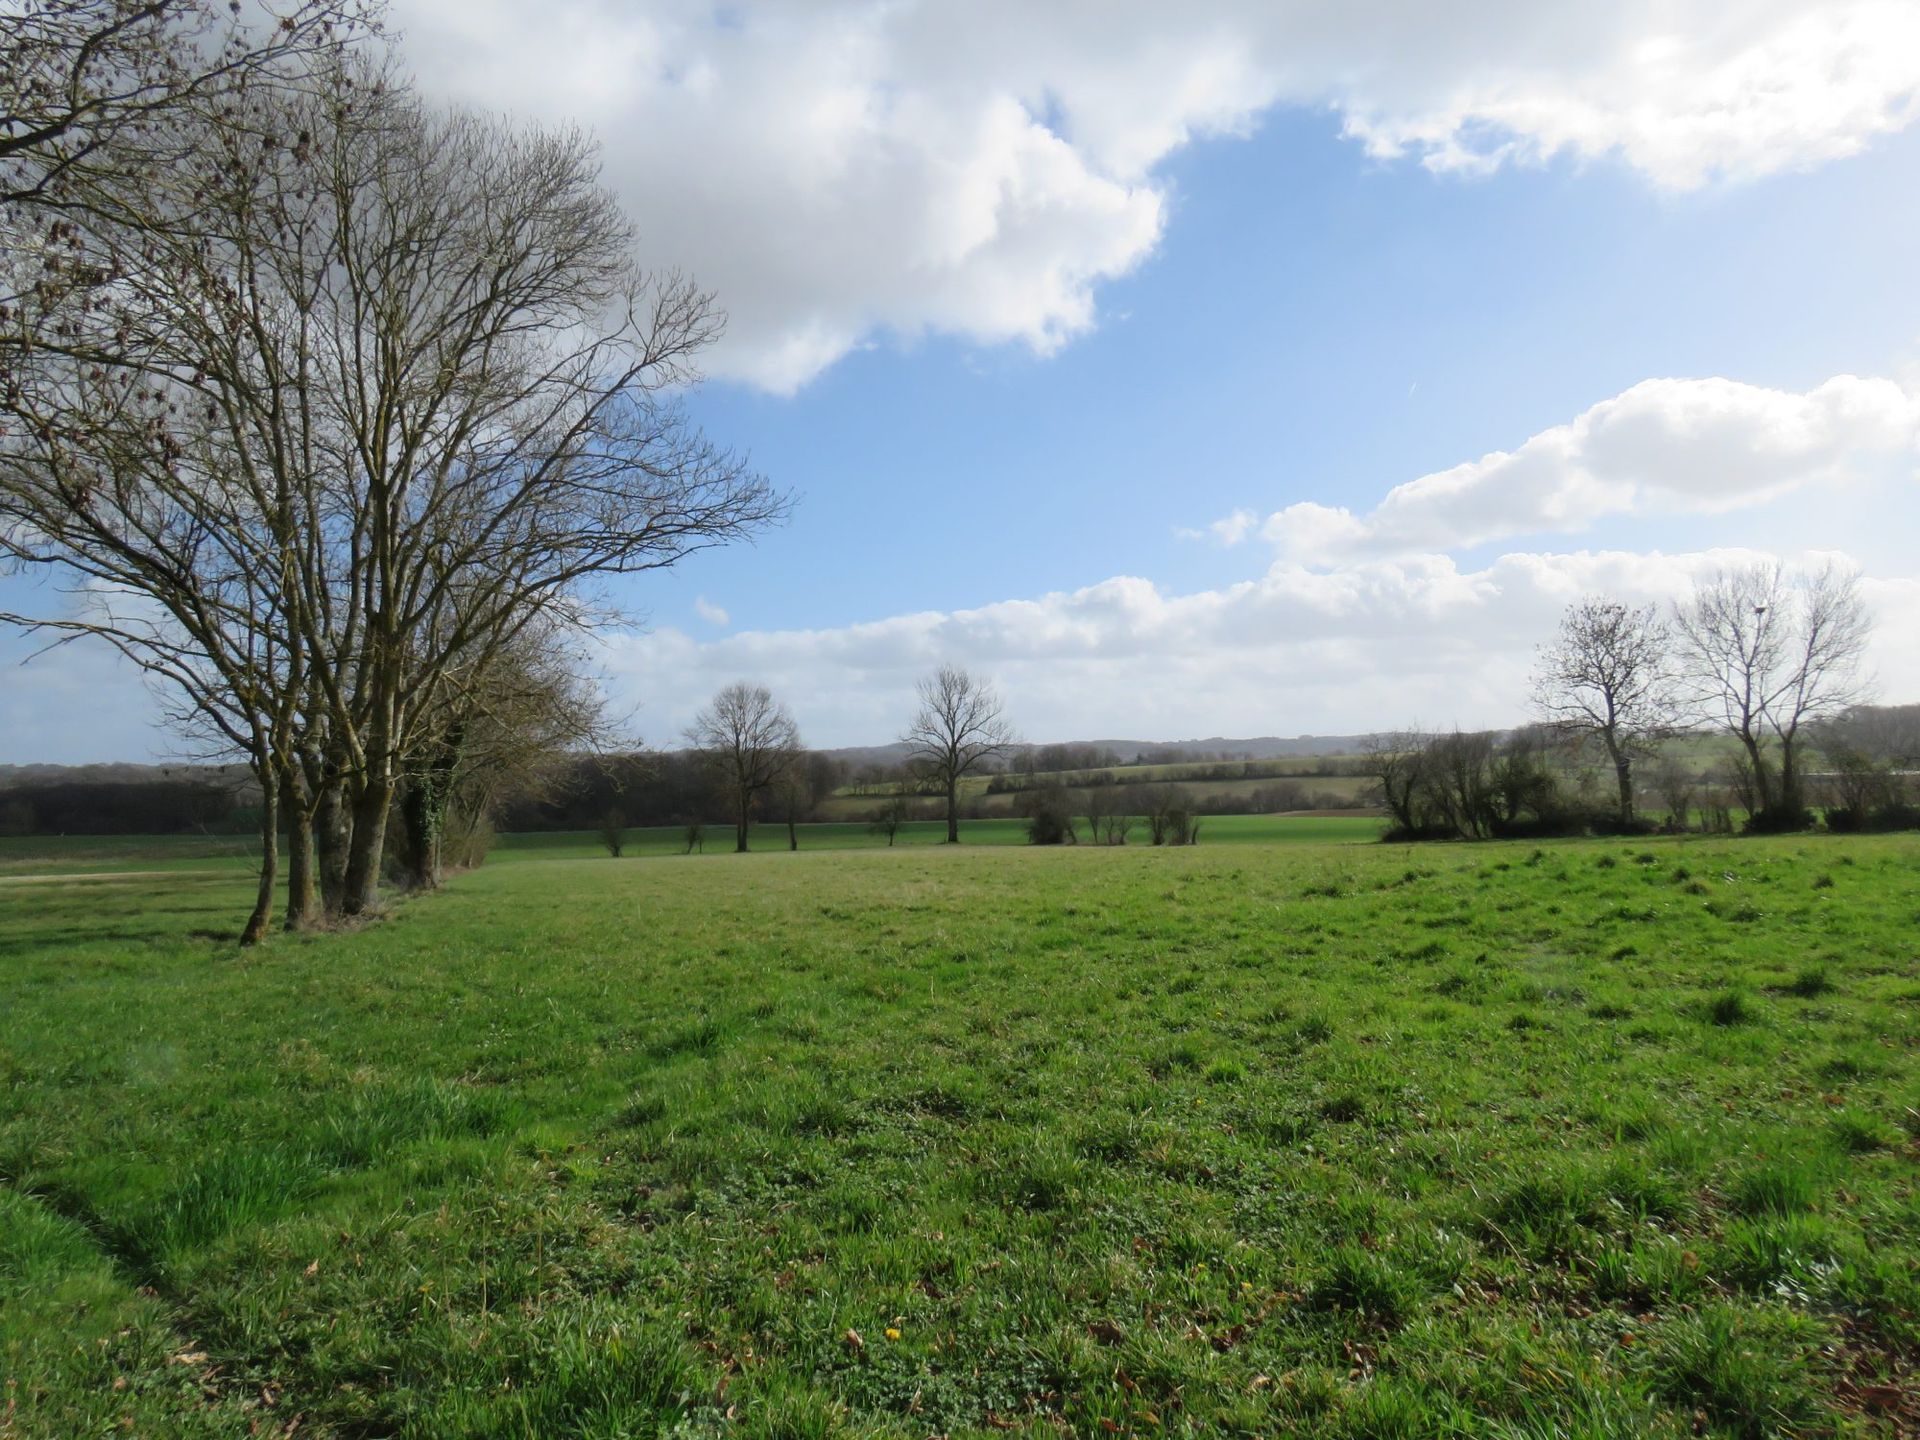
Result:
892,1334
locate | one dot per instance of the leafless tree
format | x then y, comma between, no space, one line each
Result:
1108,820
1676,784
750,741
1606,675
1395,761
892,814
1766,652
89,88
501,730
960,726
391,391
793,793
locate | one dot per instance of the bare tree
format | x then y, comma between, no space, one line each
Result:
793,793
1676,784
1606,676
501,729
750,741
88,87
960,726
1396,761
1766,652
377,399
892,814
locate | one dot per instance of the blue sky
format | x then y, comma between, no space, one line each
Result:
1315,326
1254,304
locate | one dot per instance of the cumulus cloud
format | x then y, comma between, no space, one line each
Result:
1663,447
1297,650
841,170
1366,646
710,612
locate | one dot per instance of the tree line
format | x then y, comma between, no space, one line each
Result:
334,409
745,744
1765,657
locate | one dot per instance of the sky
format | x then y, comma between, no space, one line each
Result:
1224,368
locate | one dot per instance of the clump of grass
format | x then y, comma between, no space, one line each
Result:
699,1037
640,1110
1856,1134
1767,1251
1812,981
1361,1280
376,1120
1344,1108
1225,1071
220,1194
1751,1376
1729,1007
1775,1187
1857,1062
1313,1030
1823,882
1632,1117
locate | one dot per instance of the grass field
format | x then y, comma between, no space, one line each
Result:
1586,1139
25,856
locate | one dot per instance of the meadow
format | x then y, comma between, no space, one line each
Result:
1598,1138
26,856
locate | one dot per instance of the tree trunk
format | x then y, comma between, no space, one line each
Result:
1790,803
1762,789
740,825
793,832
262,917
361,894
422,819
333,837
1623,775
303,899
953,810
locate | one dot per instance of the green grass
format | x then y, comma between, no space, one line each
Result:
1235,1140
24,856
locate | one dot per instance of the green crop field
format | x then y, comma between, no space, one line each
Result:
1578,1140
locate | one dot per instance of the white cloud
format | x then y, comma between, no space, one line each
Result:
1370,645
1662,447
710,612
1228,531
839,170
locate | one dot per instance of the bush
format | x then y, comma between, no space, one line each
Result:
1049,813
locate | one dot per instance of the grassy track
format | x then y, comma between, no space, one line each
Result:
1593,1139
